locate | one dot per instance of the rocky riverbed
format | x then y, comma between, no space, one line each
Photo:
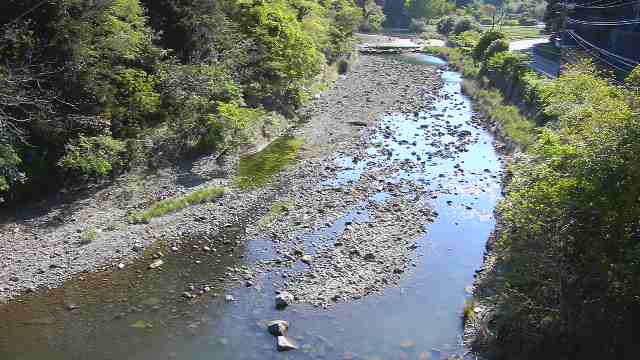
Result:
42,245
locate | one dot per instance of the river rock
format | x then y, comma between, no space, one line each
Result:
156,264
278,327
307,259
283,300
286,344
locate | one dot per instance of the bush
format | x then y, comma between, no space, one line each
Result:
466,41
234,125
446,24
486,39
508,64
9,168
455,25
463,24
94,156
633,79
418,25
496,47
373,17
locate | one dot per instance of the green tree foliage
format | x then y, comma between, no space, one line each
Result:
496,47
373,17
428,9
80,79
455,25
633,79
287,56
485,41
94,156
571,228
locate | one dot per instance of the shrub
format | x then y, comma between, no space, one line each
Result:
486,39
373,17
532,85
190,98
446,24
463,24
418,25
508,64
9,168
496,47
94,156
466,41
633,79
234,125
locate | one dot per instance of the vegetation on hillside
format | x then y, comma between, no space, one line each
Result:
90,87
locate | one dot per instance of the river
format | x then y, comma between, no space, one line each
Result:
135,314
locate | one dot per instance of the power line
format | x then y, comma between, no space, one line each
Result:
593,2
596,56
631,63
604,23
608,6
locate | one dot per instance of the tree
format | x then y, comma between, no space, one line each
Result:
373,16
428,9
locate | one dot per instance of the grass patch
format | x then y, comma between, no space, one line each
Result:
518,128
279,208
88,237
515,33
468,312
172,205
258,169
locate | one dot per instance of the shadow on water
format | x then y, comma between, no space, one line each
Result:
140,314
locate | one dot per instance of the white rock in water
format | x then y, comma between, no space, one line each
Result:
156,264
283,299
286,344
278,327
229,298
307,259
121,266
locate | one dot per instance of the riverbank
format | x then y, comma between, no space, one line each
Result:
47,243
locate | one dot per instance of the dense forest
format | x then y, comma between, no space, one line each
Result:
90,87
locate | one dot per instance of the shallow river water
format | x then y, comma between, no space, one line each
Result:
137,314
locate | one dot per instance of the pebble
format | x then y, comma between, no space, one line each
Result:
283,300
285,344
156,264
307,259
278,327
